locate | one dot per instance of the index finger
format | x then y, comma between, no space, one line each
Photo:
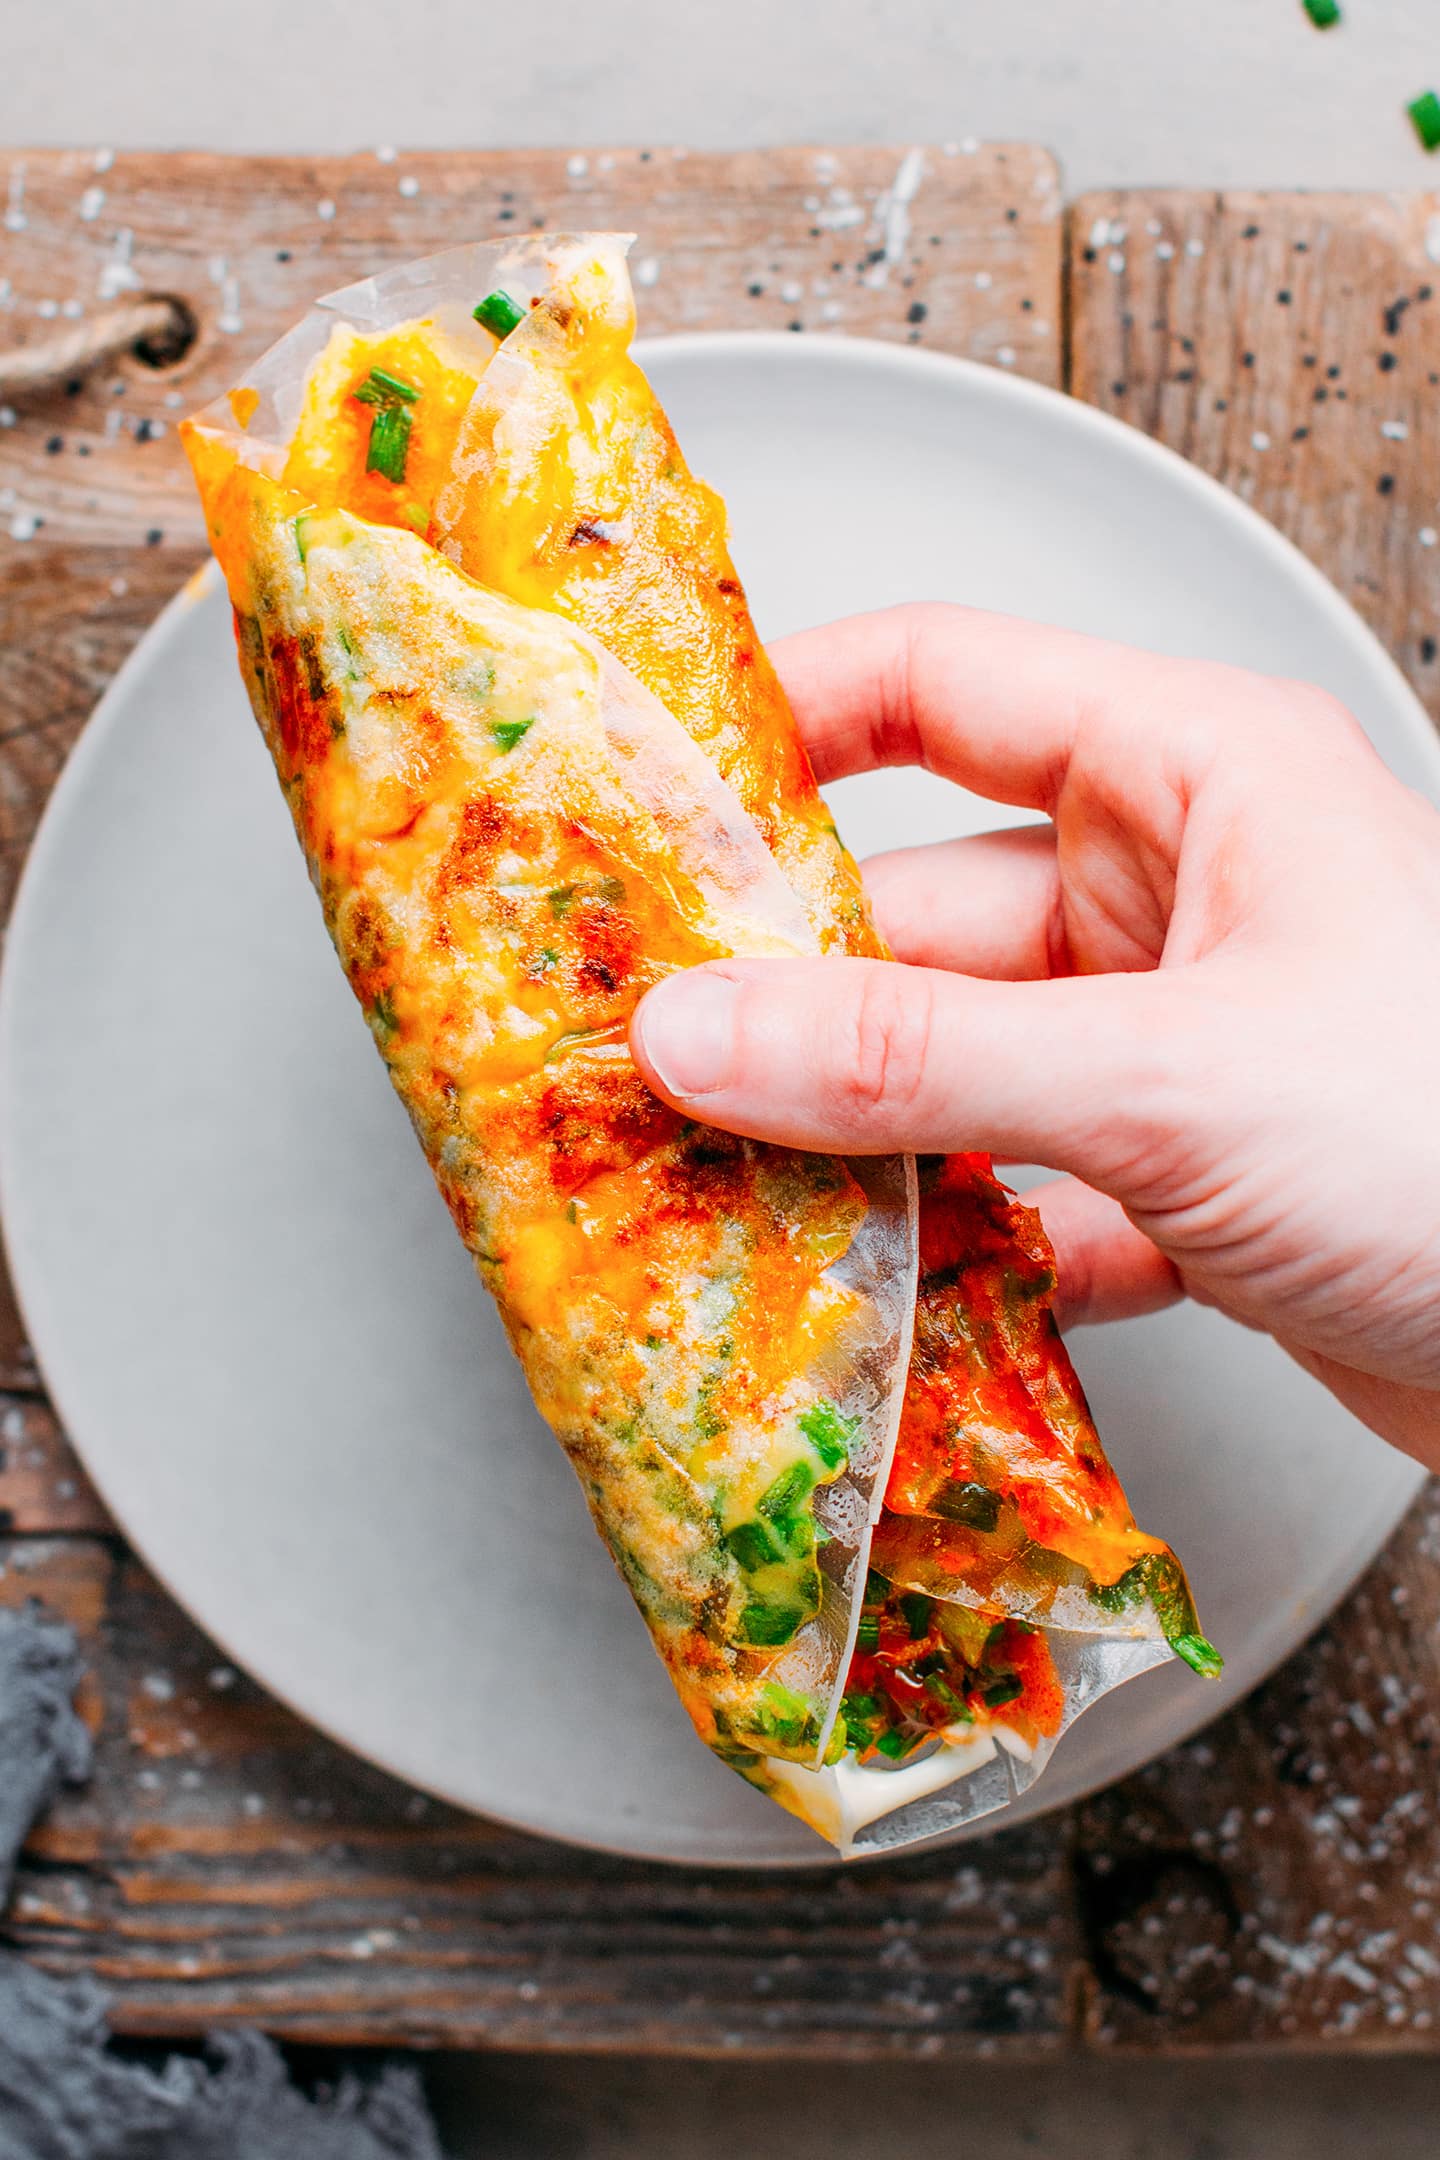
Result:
991,701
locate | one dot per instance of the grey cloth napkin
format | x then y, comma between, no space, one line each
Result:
65,2093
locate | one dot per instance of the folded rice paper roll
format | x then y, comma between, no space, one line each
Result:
537,759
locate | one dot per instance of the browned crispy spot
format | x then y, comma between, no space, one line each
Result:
590,1127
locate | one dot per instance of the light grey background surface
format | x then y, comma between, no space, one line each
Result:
1202,91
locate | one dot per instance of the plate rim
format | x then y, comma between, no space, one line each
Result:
1121,439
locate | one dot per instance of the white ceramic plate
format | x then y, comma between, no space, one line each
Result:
252,1308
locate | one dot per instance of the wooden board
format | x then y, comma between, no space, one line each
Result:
1290,345
1277,1882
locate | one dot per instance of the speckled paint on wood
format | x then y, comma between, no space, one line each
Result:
1275,1882
1290,345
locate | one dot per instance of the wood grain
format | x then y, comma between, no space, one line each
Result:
1274,1883
225,1862
1290,345
1277,1882
964,253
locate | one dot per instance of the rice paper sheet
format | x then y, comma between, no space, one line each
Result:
537,759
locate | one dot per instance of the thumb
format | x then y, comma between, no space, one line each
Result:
868,1057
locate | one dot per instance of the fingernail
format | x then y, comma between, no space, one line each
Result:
686,1030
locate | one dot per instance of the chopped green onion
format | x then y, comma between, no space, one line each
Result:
798,1532
770,1624
830,1433
752,1546
1323,13
791,1486
1126,1591
499,314
509,732
1424,113
382,388
960,1712
973,1505
1201,1656
894,1745
867,1635
300,523
383,1013
392,398
562,899
1003,1690
916,1608
389,442
786,1716
861,1709
877,1589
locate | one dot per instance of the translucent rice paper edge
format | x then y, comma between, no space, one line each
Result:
866,1810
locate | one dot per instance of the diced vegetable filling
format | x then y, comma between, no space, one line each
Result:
924,1668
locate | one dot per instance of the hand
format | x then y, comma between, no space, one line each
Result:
1208,988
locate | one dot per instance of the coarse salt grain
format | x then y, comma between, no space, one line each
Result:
325,209
1260,440
1395,431
408,185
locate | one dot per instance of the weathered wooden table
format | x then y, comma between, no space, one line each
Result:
1276,1882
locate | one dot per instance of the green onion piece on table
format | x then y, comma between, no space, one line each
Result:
1424,112
499,314
1323,13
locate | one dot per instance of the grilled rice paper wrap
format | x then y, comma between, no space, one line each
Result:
537,758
